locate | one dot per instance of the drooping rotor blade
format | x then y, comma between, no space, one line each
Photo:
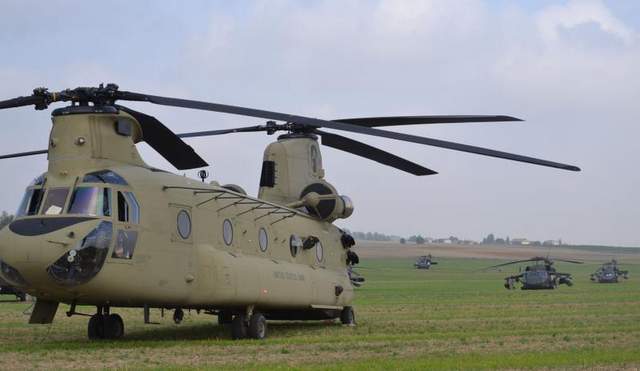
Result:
372,153
223,131
313,122
567,261
513,262
24,154
421,120
165,142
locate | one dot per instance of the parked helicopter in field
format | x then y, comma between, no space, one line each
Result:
538,276
103,228
609,273
424,262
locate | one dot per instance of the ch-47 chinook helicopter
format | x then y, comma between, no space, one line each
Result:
609,273
103,228
539,276
424,262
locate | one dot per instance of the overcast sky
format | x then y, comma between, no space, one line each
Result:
569,68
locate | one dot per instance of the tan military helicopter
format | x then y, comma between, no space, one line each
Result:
103,228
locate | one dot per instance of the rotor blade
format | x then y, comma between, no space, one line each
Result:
513,262
24,154
567,261
223,131
420,120
21,101
165,142
216,107
372,153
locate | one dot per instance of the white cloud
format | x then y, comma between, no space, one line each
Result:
580,12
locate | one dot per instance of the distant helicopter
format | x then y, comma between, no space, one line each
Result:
424,262
539,276
609,273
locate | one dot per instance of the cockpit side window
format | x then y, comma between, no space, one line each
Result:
128,208
94,201
39,181
55,200
30,202
104,176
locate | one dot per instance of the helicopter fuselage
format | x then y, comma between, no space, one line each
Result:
103,228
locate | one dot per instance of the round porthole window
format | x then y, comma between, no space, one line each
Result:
319,251
263,239
295,244
227,232
184,224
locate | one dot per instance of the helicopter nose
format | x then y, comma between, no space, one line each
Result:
31,246
11,260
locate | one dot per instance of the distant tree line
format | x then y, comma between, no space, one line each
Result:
5,219
491,239
372,236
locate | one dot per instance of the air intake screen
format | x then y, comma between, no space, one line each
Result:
268,176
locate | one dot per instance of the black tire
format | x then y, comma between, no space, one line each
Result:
239,327
348,316
22,297
257,326
113,327
95,327
224,318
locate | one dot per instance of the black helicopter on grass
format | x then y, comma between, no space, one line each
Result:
424,262
609,273
538,276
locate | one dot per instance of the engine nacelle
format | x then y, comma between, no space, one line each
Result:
321,200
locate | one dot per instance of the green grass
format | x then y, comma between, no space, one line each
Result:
453,316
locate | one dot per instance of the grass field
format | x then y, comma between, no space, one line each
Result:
450,317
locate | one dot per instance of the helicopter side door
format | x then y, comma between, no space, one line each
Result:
127,227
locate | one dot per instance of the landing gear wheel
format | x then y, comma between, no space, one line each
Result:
257,326
348,316
113,327
239,327
178,316
95,328
22,297
224,318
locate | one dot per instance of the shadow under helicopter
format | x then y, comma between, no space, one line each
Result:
166,335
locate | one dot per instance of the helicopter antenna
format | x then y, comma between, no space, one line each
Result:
203,174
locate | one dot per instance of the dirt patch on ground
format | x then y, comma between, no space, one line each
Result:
378,250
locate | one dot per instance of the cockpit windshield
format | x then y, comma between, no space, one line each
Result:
30,203
55,200
94,201
86,199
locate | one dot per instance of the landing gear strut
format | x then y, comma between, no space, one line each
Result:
178,316
104,325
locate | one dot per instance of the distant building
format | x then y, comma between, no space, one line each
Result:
520,242
551,243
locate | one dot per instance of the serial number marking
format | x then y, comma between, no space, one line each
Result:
288,276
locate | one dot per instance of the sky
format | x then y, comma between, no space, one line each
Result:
568,68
